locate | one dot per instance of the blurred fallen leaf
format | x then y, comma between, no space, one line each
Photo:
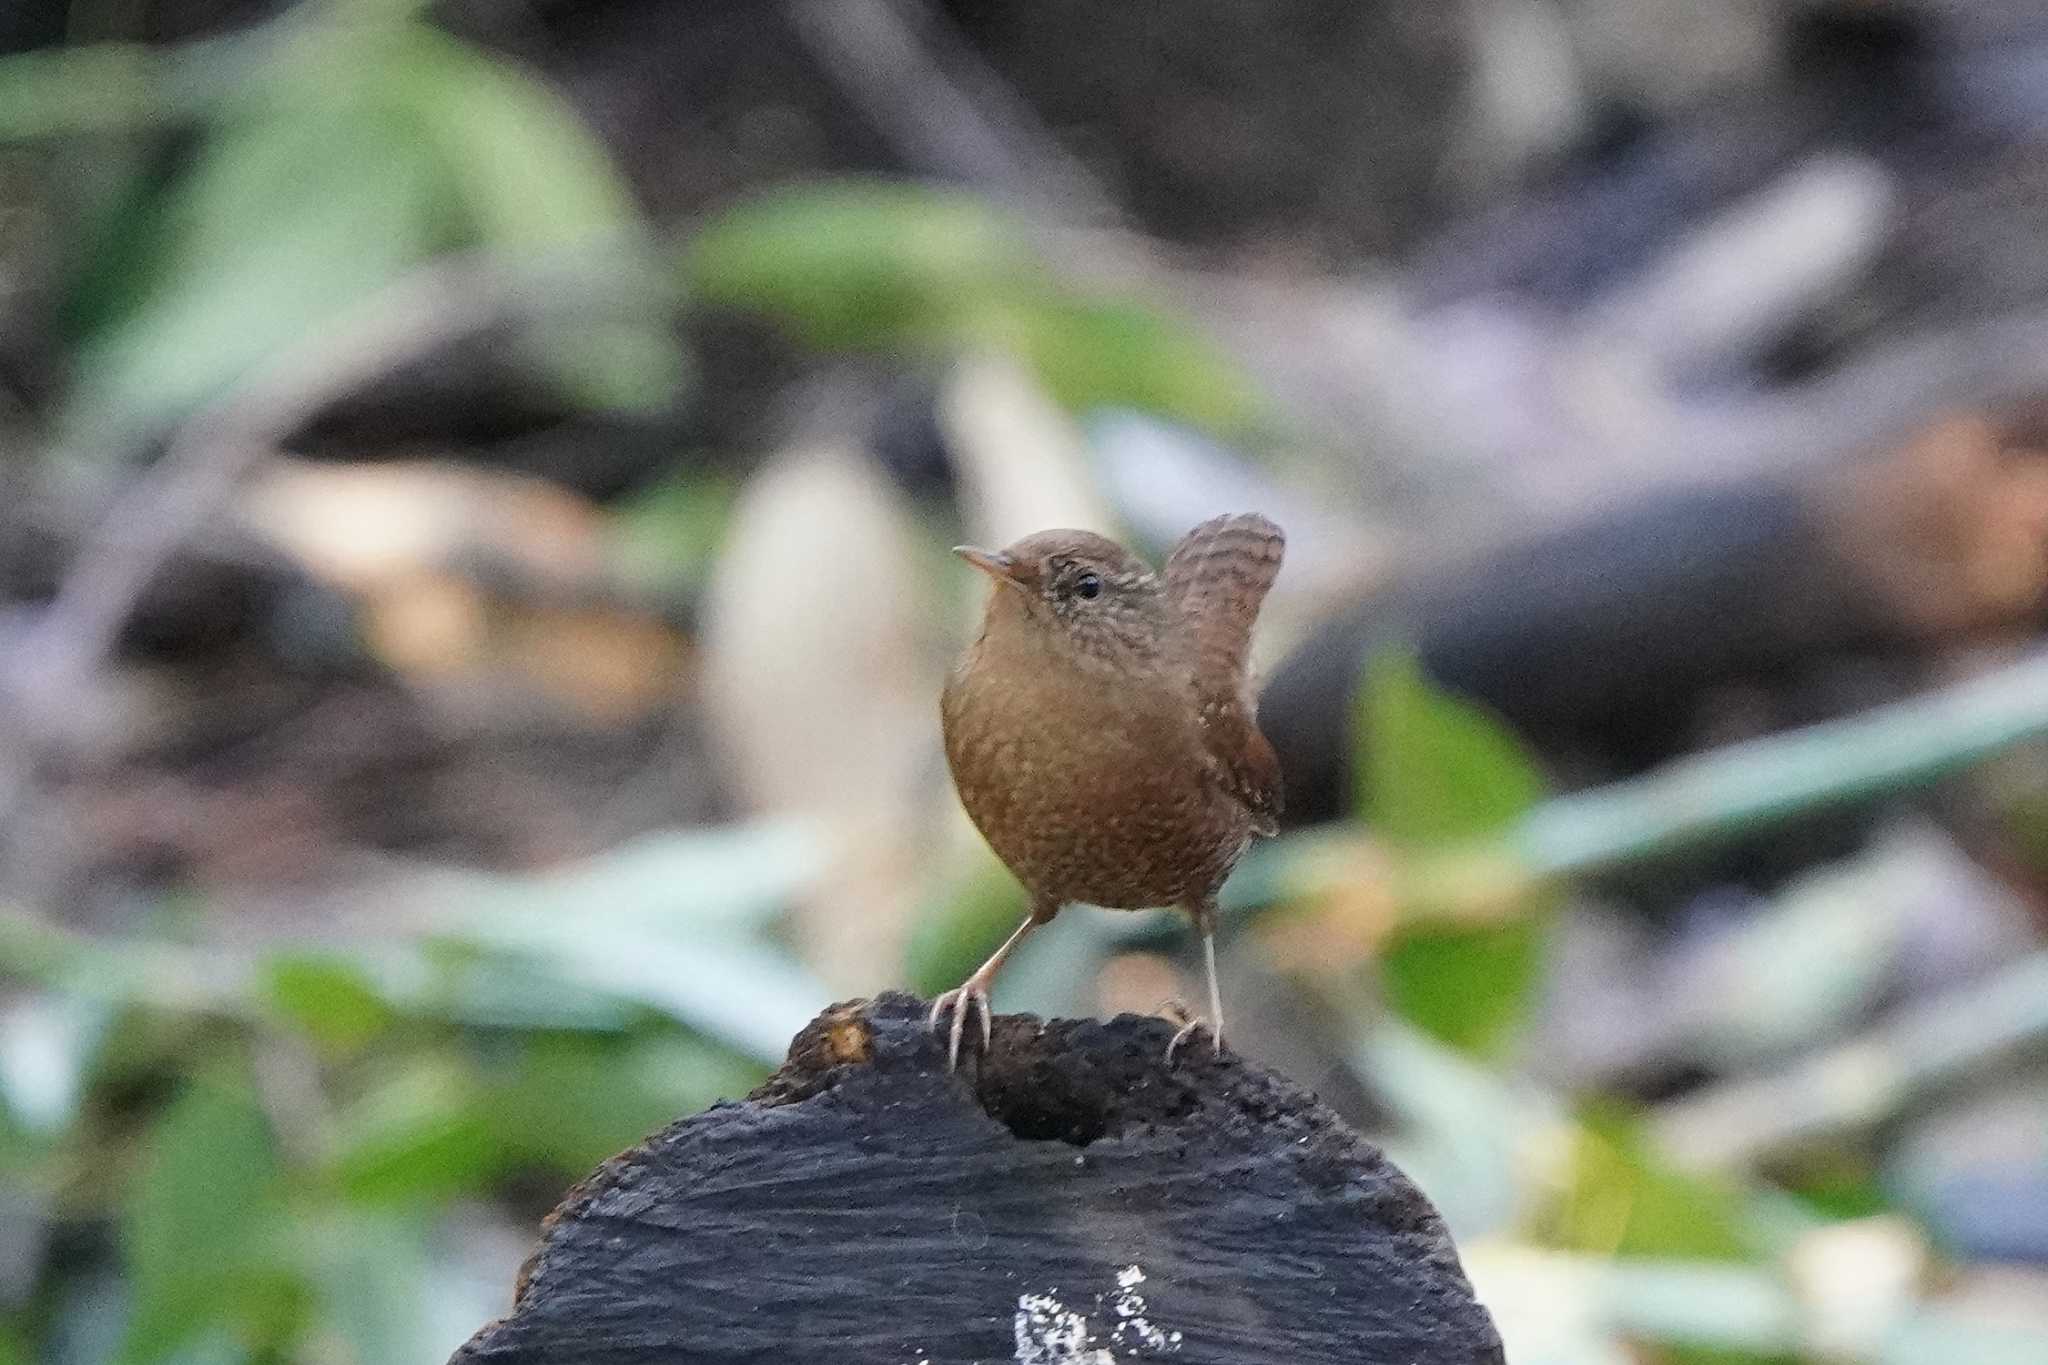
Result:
1950,530
1137,983
427,625
614,665
402,537
1341,921
359,526
821,689
1022,464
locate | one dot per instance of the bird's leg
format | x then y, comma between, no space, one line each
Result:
972,994
1205,921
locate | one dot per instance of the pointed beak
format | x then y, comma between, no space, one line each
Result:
994,563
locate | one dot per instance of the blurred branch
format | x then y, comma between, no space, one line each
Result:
1890,387
583,948
945,110
1694,802
147,972
117,87
210,455
1866,1080
1732,791
121,87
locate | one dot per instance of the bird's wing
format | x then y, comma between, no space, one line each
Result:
1217,577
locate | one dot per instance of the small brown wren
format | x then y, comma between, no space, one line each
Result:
1102,730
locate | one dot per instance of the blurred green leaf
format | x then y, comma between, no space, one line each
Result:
96,88
528,174
673,923
857,266
1438,773
1838,1185
343,165
213,1346
527,170
1460,1129
1115,353
483,989
726,877
435,1152
1435,770
682,1073
331,999
424,1132
746,994
279,227
1470,987
1622,1199
664,537
2022,813
197,1230
961,927
370,1273
445,1125
570,1103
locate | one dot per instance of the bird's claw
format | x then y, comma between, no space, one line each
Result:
1189,1029
971,995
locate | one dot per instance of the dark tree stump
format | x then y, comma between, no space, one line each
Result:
1069,1201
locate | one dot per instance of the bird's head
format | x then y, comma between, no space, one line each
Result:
1076,593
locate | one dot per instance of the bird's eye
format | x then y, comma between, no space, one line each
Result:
1088,587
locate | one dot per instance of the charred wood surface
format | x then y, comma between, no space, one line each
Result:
1066,1198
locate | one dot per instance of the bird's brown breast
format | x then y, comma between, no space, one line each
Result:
1093,788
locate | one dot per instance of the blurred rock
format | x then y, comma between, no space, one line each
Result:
474,579
1744,980
1662,55
1975,1170
1319,126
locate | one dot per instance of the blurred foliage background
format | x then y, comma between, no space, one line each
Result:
474,489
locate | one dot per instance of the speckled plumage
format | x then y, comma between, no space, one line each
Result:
1105,742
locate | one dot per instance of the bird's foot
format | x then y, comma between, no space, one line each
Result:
1190,1025
970,997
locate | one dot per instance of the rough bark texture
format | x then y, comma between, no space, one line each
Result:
1069,1199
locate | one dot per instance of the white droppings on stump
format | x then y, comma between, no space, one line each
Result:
1132,1324
1050,1333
